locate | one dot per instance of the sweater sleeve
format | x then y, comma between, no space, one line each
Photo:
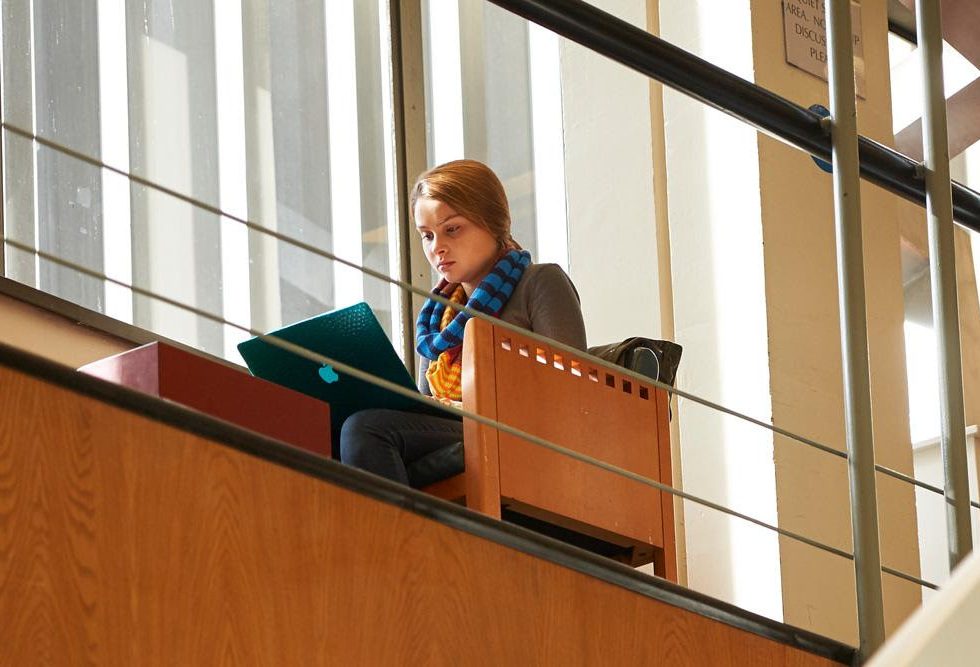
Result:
554,307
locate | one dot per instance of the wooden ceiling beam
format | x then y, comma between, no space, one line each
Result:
963,120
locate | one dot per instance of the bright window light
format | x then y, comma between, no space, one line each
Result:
446,81
345,170
114,117
549,149
923,378
232,176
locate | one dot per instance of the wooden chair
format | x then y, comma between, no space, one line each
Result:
573,403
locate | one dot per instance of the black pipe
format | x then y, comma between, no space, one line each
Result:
766,111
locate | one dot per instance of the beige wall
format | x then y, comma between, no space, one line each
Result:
804,342
969,310
53,336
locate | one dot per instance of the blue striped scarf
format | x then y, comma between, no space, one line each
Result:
489,297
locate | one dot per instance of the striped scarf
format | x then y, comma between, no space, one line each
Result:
439,330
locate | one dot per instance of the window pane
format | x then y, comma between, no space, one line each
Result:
493,94
275,112
570,133
51,88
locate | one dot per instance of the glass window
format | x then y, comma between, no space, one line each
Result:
276,112
493,93
570,133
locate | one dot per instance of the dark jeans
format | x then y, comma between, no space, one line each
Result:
385,441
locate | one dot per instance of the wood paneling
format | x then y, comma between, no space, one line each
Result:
127,541
482,444
592,411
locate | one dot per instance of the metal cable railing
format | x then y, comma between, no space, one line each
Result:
462,413
409,288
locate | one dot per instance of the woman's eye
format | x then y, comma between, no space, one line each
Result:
426,236
452,230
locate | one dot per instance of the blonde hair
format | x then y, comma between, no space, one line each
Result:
474,191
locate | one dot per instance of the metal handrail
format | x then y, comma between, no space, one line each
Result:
765,110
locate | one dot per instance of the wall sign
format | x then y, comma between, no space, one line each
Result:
805,32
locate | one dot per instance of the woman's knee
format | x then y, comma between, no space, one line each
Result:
362,434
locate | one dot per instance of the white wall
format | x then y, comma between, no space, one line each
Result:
720,317
944,630
609,188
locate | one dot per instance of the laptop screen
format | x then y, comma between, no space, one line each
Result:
350,335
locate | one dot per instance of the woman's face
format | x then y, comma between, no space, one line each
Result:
459,249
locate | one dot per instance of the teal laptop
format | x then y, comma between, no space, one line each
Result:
350,335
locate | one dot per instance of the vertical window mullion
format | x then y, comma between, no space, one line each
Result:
548,146
345,199
19,166
36,225
114,119
232,170
399,328
412,148
445,74
265,304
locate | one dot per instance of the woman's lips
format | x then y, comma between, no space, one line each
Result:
442,266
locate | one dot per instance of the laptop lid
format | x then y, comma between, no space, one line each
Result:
350,335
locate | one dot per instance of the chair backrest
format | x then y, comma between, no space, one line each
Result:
571,402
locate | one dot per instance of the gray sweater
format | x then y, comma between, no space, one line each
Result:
546,302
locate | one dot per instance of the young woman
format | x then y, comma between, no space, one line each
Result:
461,213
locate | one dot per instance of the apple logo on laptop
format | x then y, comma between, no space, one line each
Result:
328,374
